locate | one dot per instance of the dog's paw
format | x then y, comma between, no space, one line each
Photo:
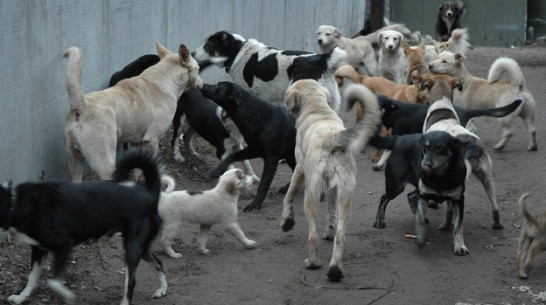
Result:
251,244
251,207
461,251
171,253
287,224
204,251
16,299
379,224
312,265
377,168
178,157
255,179
335,274
161,292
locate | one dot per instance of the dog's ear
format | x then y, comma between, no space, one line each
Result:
380,38
416,78
290,99
460,6
405,47
337,33
421,47
455,83
162,52
427,83
459,57
233,93
231,186
184,53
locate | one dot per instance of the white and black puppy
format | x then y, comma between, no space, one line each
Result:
55,216
392,61
266,71
360,53
217,206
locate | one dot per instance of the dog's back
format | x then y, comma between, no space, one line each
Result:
134,68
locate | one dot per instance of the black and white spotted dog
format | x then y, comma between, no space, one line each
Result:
266,71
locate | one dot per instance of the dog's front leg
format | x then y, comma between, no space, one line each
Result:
458,210
287,217
270,166
244,154
38,256
420,221
202,239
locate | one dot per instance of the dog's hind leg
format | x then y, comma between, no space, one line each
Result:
150,258
507,133
202,239
310,210
523,252
287,217
483,171
384,158
534,248
57,282
169,234
38,257
458,213
343,213
529,120
235,230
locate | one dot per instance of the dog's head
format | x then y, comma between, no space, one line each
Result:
440,152
389,110
327,37
450,11
235,181
447,63
184,60
227,95
440,85
389,40
220,48
304,92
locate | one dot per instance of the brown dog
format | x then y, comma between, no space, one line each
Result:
136,110
440,85
416,61
532,239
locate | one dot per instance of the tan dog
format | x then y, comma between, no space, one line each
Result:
325,163
415,58
532,239
217,206
137,110
440,85
360,53
494,92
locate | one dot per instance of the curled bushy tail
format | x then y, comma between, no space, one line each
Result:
523,210
74,65
347,71
168,182
143,160
358,136
510,66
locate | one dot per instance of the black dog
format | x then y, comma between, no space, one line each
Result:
268,129
55,216
134,68
448,19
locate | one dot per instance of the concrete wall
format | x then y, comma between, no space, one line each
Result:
33,35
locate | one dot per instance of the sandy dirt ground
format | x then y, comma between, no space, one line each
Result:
381,266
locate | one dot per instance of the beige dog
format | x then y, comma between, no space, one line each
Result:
325,163
360,53
137,110
532,240
392,61
217,206
494,92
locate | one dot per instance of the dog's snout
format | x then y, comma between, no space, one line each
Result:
449,13
320,41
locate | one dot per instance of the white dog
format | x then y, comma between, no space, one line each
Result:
217,206
457,43
392,61
360,53
325,163
137,110
494,92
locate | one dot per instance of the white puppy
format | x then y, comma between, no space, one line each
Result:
217,206
360,53
392,61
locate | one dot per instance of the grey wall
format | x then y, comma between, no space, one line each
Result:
33,35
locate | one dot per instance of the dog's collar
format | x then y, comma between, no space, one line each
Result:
12,205
229,62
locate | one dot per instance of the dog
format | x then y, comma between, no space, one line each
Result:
532,239
402,118
392,62
267,72
217,206
493,92
372,37
415,58
457,43
325,163
360,53
209,121
448,19
137,110
134,68
269,132
439,85
55,216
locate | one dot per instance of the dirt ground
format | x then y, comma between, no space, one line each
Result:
382,266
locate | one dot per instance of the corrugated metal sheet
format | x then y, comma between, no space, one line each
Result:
33,35
500,23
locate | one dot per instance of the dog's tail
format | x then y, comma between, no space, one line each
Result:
168,182
458,42
347,72
524,212
510,66
74,65
494,112
144,161
358,136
